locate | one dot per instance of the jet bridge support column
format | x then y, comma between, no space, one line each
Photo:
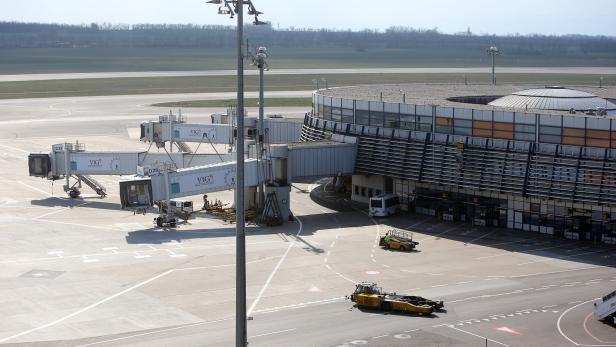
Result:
279,187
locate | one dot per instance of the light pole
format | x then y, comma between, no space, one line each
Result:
228,7
259,59
493,52
316,81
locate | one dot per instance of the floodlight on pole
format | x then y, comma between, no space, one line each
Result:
229,7
259,59
493,52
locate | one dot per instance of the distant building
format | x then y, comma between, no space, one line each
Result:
540,160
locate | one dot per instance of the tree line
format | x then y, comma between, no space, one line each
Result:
39,35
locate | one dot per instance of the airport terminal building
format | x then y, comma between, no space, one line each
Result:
531,158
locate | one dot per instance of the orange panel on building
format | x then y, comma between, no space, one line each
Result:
503,126
574,132
597,134
444,121
482,132
569,140
478,124
503,134
603,143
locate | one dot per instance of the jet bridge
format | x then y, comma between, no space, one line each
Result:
171,128
282,163
67,159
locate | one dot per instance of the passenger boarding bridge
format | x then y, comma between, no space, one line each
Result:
274,159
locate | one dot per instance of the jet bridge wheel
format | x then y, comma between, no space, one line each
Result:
74,193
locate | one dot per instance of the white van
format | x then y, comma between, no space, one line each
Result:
384,205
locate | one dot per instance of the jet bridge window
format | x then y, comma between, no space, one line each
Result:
136,193
39,165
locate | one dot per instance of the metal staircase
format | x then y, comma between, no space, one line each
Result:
94,184
183,147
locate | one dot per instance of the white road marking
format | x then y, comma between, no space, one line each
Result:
517,252
556,258
480,237
34,188
91,260
561,317
84,309
142,256
417,223
464,282
559,271
300,305
346,278
439,285
272,333
271,276
380,336
481,337
138,285
156,332
15,149
444,232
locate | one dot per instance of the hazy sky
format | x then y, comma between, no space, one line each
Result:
593,17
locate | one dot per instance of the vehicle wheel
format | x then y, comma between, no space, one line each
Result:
74,193
402,248
159,222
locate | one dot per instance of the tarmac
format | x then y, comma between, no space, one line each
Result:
83,272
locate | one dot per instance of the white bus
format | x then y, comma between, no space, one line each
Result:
384,205
605,308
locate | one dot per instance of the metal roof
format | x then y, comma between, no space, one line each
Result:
553,98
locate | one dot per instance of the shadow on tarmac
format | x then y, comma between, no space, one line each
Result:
433,315
87,202
525,242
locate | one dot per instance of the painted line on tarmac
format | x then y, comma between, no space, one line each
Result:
479,336
560,258
111,297
271,276
560,330
156,332
561,271
15,149
517,252
444,232
588,331
300,305
87,308
272,333
479,238
34,188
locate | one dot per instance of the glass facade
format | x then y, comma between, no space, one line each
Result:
575,130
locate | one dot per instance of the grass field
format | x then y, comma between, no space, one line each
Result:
207,84
58,60
248,102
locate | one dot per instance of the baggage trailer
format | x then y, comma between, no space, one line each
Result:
398,239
